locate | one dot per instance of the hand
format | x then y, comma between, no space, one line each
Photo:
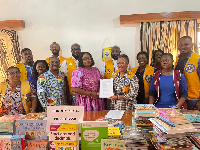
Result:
113,97
94,95
197,107
178,105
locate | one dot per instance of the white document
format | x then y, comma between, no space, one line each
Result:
115,114
106,88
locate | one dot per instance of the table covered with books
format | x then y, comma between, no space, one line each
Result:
70,128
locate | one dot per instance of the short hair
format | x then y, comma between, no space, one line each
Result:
53,57
34,72
55,43
12,67
124,56
80,63
167,54
115,47
144,53
154,54
186,37
76,44
25,49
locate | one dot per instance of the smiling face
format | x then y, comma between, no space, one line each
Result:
115,52
54,63
87,60
166,62
122,64
27,57
76,51
14,75
185,46
142,60
55,48
40,68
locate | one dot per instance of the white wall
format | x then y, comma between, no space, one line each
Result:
87,22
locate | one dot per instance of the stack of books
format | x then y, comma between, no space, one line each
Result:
195,138
169,127
134,139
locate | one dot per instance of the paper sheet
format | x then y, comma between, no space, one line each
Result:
115,114
106,88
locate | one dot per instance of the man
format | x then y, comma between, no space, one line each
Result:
26,66
110,66
71,64
55,49
50,85
188,63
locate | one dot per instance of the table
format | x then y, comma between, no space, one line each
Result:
93,115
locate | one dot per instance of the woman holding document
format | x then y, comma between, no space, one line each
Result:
85,83
125,86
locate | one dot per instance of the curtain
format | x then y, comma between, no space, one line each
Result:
166,35
9,51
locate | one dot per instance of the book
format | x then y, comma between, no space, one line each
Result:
64,137
92,132
114,132
112,144
5,142
17,142
33,145
34,130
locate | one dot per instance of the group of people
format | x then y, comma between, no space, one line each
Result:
32,86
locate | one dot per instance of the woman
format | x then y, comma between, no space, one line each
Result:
168,87
156,59
144,73
125,86
85,83
39,67
17,97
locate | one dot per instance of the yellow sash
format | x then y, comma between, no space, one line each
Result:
192,78
71,66
61,59
148,74
25,89
109,69
23,71
126,81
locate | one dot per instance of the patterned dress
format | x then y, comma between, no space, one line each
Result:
118,89
50,89
88,80
12,102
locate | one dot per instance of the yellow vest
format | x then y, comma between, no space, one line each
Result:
23,71
61,59
126,81
25,89
148,74
71,66
109,69
192,78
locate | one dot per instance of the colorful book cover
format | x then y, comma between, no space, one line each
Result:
112,144
34,130
5,143
91,134
64,137
114,132
6,123
17,142
32,145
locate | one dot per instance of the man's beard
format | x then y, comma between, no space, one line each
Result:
55,53
114,57
75,56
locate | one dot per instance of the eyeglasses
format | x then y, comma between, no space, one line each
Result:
121,63
87,58
75,49
14,73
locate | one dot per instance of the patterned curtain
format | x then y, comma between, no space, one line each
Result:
9,51
166,35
